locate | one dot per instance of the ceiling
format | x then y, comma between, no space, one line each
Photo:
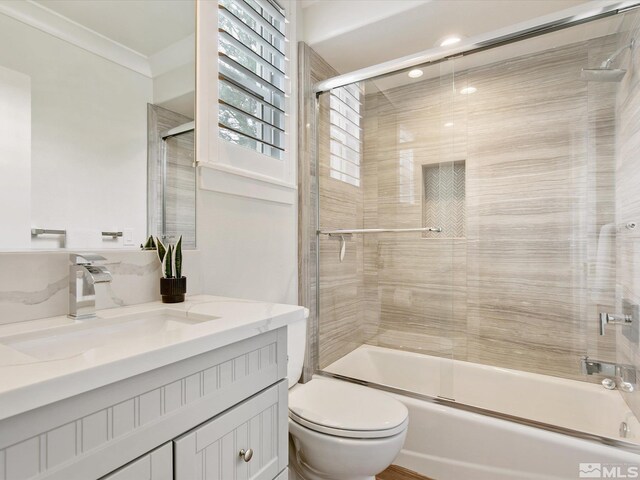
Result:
353,34
145,26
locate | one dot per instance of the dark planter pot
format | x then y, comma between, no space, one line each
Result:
173,290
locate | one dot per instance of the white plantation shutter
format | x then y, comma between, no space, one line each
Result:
252,78
346,134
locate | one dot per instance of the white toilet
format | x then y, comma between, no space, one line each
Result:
339,430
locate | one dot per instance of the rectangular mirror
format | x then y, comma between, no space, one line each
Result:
97,103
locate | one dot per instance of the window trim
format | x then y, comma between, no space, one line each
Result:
219,154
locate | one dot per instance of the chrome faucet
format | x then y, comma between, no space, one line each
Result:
614,319
83,276
621,376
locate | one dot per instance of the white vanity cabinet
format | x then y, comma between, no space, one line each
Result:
171,422
156,465
247,442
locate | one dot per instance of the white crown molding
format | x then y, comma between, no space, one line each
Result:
182,52
37,16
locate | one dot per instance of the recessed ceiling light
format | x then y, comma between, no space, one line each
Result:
450,40
448,124
468,90
416,73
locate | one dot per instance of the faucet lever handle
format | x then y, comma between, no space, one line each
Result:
85,258
614,319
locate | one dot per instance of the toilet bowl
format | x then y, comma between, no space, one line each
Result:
341,431
338,430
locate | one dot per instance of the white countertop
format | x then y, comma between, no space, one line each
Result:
27,383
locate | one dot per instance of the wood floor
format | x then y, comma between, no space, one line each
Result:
395,472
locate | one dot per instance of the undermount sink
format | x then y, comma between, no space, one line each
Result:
84,336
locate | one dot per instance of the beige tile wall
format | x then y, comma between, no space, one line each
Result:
342,317
539,150
341,283
628,199
523,289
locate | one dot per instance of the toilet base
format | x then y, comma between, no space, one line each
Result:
299,471
317,456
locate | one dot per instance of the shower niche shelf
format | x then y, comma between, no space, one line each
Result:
444,198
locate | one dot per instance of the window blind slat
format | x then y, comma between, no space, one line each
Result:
275,9
348,98
275,23
245,48
252,66
343,151
248,92
345,109
343,137
250,105
345,124
242,123
244,10
345,134
250,115
261,70
267,84
221,125
247,30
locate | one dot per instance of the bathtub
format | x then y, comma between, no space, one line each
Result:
448,441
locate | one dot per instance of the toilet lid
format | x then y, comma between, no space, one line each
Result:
346,410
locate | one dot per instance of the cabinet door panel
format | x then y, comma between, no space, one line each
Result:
156,465
212,451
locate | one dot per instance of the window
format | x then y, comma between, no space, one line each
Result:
406,185
252,68
346,134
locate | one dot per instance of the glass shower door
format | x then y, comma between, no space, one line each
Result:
524,156
388,171
544,145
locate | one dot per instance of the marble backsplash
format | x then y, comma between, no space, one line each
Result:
35,284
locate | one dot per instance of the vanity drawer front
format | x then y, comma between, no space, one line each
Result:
156,465
212,451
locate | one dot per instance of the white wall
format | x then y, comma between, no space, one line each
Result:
174,76
15,157
248,247
88,158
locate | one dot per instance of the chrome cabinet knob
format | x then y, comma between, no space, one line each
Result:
246,455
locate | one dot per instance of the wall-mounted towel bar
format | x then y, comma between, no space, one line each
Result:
348,233
379,230
46,231
112,234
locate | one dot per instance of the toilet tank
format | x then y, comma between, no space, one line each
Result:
296,344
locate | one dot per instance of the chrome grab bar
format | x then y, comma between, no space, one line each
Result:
379,230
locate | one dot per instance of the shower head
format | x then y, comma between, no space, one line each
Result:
602,74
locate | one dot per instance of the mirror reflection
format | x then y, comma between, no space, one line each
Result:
96,123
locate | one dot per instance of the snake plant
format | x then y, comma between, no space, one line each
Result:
170,257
